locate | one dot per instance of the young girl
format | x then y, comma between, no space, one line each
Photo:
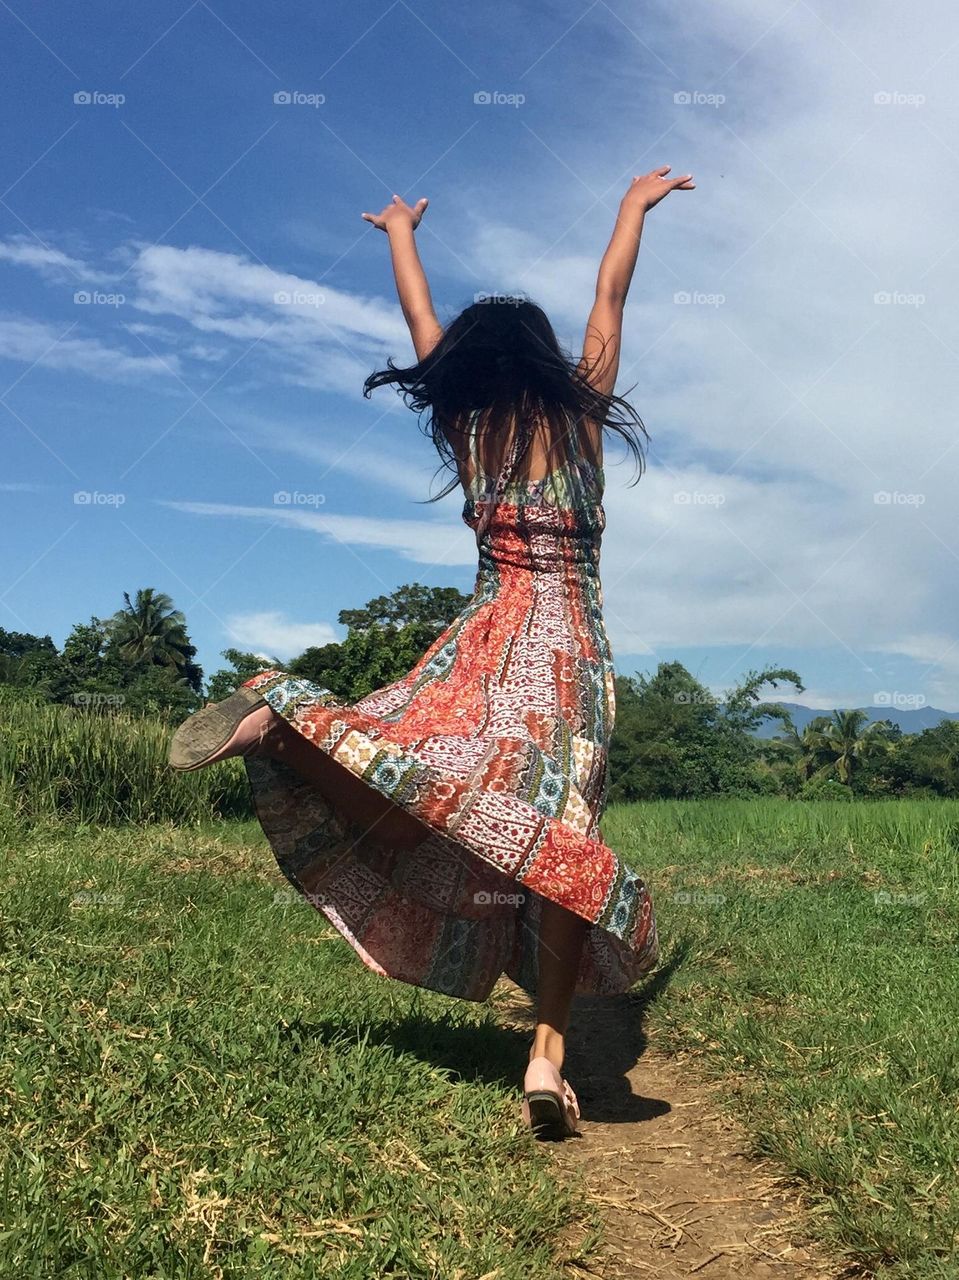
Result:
448,824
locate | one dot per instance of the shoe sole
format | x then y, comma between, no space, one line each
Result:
205,732
546,1117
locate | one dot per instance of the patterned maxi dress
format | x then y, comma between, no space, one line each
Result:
497,742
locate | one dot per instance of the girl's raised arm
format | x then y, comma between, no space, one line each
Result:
601,345
399,220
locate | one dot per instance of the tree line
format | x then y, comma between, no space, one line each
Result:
673,738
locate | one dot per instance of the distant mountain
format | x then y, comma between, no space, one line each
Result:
907,720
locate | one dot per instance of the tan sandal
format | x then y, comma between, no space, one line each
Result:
209,735
549,1107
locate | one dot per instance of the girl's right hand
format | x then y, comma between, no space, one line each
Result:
649,189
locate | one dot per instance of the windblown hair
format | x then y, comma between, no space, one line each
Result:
500,361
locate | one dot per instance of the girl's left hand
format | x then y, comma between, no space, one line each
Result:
398,211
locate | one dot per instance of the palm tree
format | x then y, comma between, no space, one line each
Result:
801,748
149,631
842,740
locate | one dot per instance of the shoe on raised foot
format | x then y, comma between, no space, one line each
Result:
549,1107
219,731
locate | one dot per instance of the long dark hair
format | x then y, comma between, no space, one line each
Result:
500,361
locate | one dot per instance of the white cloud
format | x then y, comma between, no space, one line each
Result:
324,338
57,347
422,541
54,264
271,634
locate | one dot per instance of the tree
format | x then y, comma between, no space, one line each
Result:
431,607
674,738
243,667
384,641
150,632
26,660
843,740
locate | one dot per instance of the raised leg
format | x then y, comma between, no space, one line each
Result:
561,936
381,819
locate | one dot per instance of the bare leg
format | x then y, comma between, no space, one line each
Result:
381,819
561,936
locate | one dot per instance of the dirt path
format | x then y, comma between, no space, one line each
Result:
678,1191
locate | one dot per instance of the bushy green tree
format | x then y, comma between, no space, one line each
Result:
243,666
673,738
384,640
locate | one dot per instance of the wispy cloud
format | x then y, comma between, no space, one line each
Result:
421,541
53,264
273,633
59,347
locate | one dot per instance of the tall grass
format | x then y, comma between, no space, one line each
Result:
106,768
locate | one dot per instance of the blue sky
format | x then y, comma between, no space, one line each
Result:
191,302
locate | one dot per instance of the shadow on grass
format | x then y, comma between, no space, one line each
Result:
606,1039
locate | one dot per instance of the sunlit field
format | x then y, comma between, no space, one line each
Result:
199,1077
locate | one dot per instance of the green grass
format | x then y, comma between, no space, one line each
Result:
59,761
813,954
200,1079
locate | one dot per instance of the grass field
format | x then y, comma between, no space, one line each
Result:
200,1079
816,954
